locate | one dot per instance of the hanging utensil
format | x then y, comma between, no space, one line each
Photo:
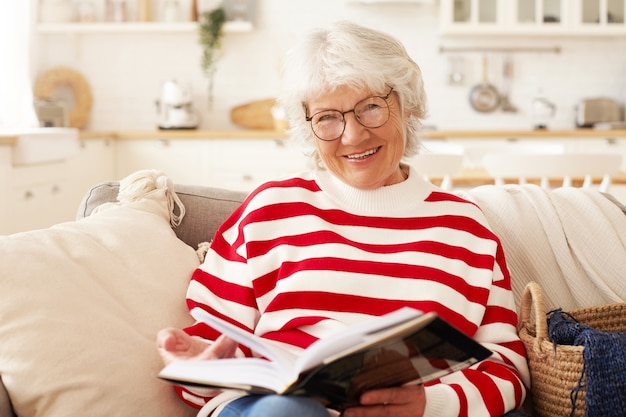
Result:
484,97
507,78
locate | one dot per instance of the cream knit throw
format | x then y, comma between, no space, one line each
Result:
572,241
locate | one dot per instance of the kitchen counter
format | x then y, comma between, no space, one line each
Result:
425,134
474,177
8,139
184,134
11,137
505,134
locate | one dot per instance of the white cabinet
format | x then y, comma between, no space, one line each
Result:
532,17
39,179
94,163
184,161
526,17
38,196
605,17
243,164
232,163
43,194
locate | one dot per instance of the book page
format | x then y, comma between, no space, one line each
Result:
283,360
252,374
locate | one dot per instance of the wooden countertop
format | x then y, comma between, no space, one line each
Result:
425,134
473,177
184,134
505,134
8,139
11,139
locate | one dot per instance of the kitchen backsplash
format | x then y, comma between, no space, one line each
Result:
126,69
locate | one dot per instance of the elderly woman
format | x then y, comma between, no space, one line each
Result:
359,235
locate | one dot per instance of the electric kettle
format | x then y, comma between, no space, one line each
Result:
542,111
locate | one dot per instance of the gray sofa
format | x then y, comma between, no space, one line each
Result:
81,341
205,208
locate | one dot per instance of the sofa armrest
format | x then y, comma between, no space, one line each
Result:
205,208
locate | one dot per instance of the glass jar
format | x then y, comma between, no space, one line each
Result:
171,10
56,11
86,11
116,10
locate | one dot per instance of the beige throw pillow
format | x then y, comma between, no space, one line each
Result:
81,304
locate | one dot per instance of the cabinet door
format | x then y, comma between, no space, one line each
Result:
540,16
40,206
599,17
243,164
472,16
184,161
513,17
38,197
94,163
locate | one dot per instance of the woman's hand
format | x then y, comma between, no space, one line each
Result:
406,401
175,344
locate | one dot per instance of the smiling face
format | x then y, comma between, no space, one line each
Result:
365,158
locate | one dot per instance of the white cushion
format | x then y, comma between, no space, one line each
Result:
81,305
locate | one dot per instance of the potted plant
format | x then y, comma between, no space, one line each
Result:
210,26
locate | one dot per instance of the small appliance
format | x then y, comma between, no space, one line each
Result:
593,111
51,113
542,112
175,107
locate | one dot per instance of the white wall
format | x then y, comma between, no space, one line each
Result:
126,70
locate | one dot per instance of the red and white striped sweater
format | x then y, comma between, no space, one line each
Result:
306,256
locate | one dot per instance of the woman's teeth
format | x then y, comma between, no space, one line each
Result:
363,155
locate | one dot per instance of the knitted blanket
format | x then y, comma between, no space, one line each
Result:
604,358
572,241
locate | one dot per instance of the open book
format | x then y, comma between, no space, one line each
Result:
394,349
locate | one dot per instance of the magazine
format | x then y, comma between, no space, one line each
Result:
404,346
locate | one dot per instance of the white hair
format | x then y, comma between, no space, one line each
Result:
350,55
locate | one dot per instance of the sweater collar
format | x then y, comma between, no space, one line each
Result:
380,201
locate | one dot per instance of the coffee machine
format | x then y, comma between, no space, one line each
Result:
175,107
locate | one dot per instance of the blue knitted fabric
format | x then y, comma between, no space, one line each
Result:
604,359
516,413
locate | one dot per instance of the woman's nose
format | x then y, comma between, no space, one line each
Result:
354,131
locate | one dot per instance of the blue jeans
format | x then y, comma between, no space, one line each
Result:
274,406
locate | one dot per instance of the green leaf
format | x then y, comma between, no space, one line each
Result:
211,25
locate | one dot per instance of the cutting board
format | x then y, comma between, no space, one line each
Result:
254,115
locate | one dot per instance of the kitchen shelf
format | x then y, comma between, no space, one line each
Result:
137,27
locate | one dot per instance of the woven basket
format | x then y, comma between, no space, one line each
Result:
555,370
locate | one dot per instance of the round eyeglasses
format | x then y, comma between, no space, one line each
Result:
370,112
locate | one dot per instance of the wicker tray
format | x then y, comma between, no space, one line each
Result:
555,370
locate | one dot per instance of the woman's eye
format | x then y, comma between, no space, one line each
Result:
369,109
328,118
